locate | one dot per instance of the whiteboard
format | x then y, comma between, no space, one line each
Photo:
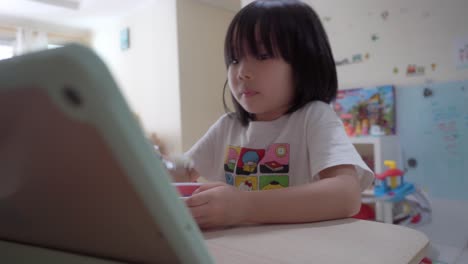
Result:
433,130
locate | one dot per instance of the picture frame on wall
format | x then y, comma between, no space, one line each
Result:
367,111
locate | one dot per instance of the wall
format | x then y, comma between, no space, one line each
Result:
201,32
418,32
148,71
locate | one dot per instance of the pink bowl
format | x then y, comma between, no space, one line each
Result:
186,188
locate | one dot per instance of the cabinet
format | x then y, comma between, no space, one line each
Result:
378,149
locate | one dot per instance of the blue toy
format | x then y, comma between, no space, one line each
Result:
390,185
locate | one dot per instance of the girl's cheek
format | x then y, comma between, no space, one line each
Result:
231,81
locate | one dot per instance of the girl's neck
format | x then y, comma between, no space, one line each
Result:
269,116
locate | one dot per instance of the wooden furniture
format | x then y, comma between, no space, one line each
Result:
340,241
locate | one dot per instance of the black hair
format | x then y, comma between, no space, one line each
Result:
292,30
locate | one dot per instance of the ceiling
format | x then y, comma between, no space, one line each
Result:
89,13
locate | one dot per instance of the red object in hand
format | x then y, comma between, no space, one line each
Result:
187,188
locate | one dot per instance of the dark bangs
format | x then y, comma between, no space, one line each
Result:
259,25
291,30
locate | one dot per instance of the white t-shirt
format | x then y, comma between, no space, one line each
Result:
288,151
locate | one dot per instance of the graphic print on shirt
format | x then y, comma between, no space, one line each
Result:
257,169
276,159
246,183
229,178
270,182
232,155
248,161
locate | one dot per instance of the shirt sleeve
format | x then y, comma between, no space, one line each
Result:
205,152
329,145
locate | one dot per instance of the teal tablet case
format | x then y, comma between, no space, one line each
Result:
77,173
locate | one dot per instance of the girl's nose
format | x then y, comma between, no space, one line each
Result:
245,72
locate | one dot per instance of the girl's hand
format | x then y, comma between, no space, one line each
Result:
180,168
216,205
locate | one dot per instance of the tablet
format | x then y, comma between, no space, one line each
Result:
76,171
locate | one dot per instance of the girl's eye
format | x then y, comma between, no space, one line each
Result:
264,56
234,61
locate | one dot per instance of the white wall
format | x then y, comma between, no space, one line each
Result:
418,32
148,71
174,71
201,31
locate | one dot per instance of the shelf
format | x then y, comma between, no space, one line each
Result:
378,149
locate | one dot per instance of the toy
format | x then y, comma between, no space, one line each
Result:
391,185
397,201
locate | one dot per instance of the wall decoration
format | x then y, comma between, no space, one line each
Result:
125,38
355,58
461,53
384,15
374,37
415,70
369,111
395,70
427,92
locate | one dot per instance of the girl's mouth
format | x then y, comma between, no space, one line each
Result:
249,93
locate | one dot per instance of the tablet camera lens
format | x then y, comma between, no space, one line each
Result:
72,96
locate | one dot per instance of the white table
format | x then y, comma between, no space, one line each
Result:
340,241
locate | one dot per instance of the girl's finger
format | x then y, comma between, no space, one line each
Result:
198,199
207,186
205,223
199,211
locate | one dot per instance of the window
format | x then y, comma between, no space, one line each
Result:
6,51
9,34
53,46
7,39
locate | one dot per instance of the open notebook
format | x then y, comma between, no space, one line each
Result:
77,173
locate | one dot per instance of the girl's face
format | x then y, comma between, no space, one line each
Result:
262,84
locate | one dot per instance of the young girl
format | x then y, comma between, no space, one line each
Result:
283,156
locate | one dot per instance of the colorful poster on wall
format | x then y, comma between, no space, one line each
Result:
369,111
461,53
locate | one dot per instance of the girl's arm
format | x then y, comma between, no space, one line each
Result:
336,195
